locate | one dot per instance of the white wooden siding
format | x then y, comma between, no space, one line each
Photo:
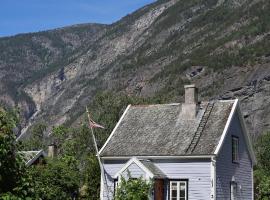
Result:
196,171
111,168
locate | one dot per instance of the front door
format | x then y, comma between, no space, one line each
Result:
159,189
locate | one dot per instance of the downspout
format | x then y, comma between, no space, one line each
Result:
213,178
101,189
252,180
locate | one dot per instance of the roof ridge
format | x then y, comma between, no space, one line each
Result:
158,104
32,151
226,100
176,104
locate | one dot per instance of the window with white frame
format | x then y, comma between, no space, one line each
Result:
233,190
235,149
178,190
115,185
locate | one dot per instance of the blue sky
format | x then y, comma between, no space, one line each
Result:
23,16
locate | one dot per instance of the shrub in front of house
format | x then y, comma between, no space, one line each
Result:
133,189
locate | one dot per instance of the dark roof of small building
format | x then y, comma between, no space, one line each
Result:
163,130
29,157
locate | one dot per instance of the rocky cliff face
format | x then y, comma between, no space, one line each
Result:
221,45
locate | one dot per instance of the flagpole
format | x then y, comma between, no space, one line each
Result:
98,156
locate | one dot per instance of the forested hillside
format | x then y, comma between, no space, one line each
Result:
221,45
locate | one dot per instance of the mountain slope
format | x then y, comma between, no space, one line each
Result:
221,45
29,57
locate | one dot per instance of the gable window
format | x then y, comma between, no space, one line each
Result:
235,149
178,190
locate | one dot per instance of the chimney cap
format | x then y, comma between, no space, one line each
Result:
190,86
52,144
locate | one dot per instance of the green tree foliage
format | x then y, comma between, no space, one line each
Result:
133,189
11,165
36,141
263,152
77,143
262,185
59,179
91,179
59,135
262,173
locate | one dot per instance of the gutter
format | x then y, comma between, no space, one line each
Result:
158,157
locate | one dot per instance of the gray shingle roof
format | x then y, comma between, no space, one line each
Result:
153,168
162,130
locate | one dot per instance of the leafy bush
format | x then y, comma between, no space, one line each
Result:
92,178
262,172
133,189
59,179
262,185
11,164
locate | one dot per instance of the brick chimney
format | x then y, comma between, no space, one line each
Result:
190,107
52,151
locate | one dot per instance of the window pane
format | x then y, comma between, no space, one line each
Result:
174,186
233,191
173,190
182,190
182,194
174,194
235,147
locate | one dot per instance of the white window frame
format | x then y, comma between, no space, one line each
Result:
235,151
178,182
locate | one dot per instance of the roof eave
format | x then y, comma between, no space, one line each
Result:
159,157
225,130
31,161
114,130
138,163
247,136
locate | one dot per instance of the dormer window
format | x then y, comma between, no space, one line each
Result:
235,149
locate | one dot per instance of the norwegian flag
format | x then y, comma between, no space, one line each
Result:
92,123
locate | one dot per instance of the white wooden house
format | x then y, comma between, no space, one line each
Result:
194,150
